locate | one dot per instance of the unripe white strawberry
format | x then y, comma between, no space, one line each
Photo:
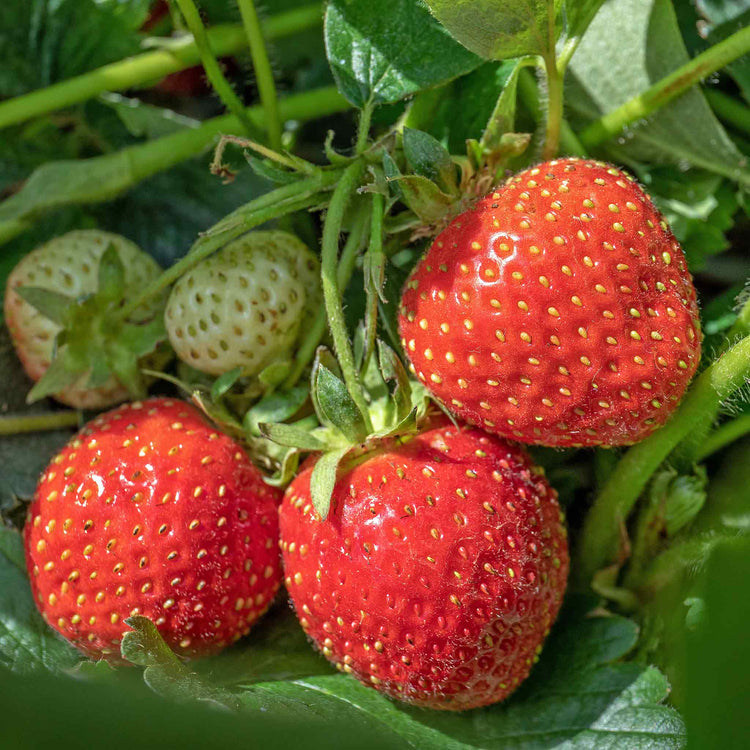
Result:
243,306
69,266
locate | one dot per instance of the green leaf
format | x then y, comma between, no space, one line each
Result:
223,384
124,366
425,198
43,41
579,696
276,407
464,108
26,642
685,498
289,435
147,120
643,44
52,305
393,370
388,55
499,29
428,157
60,374
276,649
111,276
165,673
323,480
334,405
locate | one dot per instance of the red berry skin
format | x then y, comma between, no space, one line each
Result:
150,511
558,310
438,572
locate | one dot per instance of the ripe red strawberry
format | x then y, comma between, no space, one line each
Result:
558,310
69,264
437,573
150,511
244,306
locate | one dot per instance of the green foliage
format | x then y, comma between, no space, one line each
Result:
389,55
577,696
499,29
643,44
43,41
26,643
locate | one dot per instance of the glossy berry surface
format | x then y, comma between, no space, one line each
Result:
558,310
438,572
150,511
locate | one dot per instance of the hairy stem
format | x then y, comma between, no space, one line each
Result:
263,73
307,348
139,70
15,424
331,292
663,91
211,65
723,436
528,93
601,532
136,163
363,128
554,91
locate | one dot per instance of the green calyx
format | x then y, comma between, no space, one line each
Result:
94,345
396,408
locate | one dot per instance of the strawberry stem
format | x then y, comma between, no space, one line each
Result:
306,350
554,90
331,293
723,436
263,74
373,286
16,424
211,65
224,40
599,544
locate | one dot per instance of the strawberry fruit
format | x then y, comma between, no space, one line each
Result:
243,307
67,271
438,571
150,511
558,310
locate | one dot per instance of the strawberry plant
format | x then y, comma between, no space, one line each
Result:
366,253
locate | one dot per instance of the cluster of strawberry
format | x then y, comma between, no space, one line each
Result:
557,311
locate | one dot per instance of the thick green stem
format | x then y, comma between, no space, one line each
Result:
599,545
225,40
348,259
554,90
263,72
723,436
136,163
528,93
729,109
13,424
211,65
663,91
331,293
363,129
280,202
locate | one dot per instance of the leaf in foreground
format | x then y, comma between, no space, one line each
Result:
580,695
27,644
